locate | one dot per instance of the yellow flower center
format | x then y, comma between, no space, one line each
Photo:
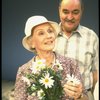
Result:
46,80
39,63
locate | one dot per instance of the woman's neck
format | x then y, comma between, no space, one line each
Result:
48,56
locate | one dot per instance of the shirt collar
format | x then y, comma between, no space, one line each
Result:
79,30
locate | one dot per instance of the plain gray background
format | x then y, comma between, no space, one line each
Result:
14,16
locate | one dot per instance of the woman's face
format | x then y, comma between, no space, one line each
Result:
43,37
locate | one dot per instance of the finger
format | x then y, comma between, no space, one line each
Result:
72,91
76,95
71,87
75,87
69,92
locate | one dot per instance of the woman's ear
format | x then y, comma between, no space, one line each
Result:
30,42
32,45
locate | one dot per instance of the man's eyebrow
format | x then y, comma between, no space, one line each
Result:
64,9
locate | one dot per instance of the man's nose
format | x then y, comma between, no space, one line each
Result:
70,16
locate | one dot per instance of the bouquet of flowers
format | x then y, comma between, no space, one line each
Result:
44,82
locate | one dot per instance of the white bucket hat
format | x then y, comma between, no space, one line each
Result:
31,23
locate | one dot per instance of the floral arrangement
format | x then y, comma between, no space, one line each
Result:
44,82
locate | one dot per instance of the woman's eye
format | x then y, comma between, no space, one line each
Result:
50,30
41,33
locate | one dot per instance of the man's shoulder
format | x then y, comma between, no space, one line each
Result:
84,29
87,31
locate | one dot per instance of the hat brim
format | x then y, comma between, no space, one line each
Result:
25,40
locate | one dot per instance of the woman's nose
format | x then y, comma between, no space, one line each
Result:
48,35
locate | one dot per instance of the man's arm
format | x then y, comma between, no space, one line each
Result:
95,78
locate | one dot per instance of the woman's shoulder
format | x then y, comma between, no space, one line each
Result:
26,65
66,59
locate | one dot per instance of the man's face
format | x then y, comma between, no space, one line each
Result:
70,12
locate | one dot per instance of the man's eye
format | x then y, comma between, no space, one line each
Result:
76,12
65,12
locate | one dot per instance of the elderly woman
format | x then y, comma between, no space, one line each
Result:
40,39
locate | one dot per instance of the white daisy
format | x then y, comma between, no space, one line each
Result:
47,81
40,94
33,94
37,66
33,87
72,79
59,65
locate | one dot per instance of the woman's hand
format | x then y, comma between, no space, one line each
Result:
73,90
